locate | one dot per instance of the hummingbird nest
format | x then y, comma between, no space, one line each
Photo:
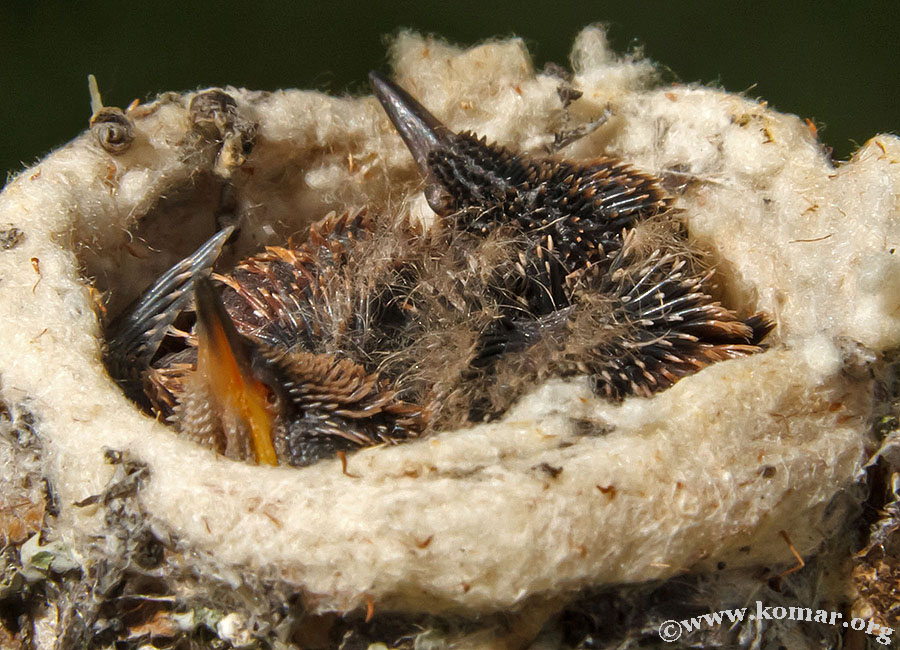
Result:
730,475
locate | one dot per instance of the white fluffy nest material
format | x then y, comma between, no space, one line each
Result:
567,490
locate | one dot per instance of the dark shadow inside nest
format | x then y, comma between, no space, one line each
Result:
170,231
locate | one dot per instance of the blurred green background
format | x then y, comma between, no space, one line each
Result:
834,62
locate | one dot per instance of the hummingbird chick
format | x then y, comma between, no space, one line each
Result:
599,279
377,330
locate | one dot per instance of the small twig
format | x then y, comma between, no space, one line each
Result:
36,265
343,457
800,562
806,241
370,608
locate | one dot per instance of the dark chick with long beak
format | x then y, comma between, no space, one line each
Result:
244,385
375,330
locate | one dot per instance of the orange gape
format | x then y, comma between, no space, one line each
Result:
222,361
240,393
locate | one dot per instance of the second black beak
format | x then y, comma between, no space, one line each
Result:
422,132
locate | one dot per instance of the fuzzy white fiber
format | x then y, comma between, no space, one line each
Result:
477,520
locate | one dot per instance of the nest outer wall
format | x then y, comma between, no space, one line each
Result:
709,471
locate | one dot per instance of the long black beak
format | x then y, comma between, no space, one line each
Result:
136,334
422,132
